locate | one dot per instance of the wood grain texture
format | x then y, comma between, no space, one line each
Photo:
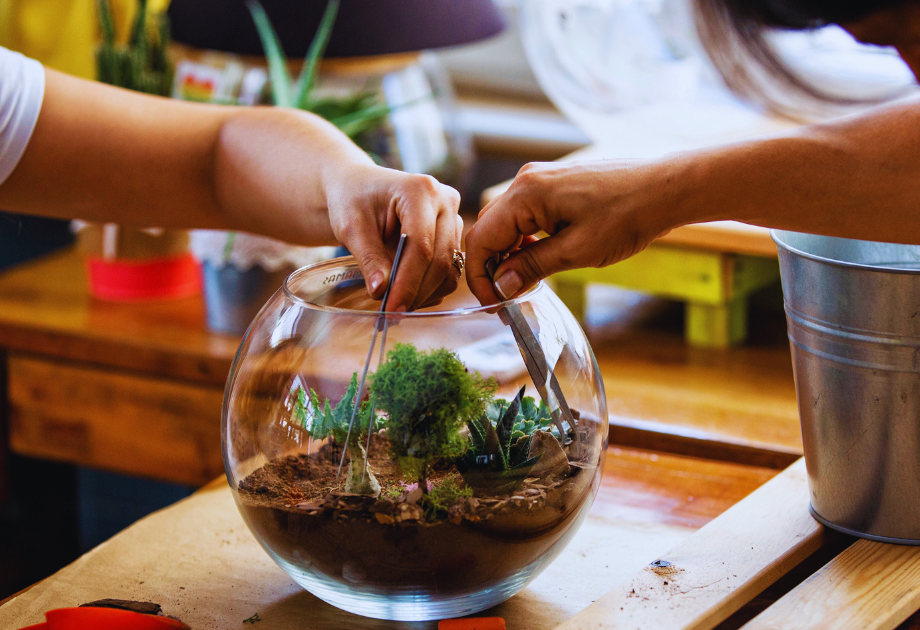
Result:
648,487
173,556
714,572
45,308
869,586
116,421
744,397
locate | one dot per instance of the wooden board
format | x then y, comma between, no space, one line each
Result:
45,308
869,586
720,568
114,421
198,559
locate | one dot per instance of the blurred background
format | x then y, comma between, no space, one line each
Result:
466,91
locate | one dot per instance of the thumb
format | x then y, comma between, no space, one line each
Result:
533,262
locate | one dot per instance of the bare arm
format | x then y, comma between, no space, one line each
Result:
857,177
105,154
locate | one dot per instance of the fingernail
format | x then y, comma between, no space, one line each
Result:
508,284
376,281
400,309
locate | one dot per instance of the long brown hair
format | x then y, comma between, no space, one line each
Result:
734,34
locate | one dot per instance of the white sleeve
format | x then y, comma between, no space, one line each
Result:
22,87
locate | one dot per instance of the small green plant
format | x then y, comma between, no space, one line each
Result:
437,502
142,64
328,421
354,115
428,398
497,458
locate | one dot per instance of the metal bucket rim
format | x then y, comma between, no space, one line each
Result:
774,234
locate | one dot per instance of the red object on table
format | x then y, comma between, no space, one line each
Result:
129,280
473,623
90,618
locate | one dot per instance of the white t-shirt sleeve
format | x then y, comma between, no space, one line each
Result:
22,87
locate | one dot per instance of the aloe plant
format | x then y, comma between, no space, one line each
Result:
353,115
142,64
323,421
497,458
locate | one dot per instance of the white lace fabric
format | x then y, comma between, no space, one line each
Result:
249,250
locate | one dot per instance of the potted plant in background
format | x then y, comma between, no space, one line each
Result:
130,263
242,270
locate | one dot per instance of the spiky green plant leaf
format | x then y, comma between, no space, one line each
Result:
282,85
307,79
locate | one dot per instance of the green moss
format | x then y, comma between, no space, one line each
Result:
428,398
437,502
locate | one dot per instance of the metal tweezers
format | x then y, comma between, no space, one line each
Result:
379,325
535,359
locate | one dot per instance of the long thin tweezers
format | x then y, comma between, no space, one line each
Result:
380,323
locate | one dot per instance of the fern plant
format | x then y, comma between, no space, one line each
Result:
323,421
354,115
142,64
497,459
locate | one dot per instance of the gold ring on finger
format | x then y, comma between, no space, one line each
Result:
458,260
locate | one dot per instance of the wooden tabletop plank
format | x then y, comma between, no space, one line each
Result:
721,567
199,561
45,308
869,586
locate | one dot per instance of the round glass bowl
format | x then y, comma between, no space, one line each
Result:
455,485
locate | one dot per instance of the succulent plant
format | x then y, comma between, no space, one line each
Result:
323,421
353,115
497,459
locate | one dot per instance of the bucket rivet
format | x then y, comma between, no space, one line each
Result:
658,564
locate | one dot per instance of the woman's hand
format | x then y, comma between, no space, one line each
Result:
596,214
369,207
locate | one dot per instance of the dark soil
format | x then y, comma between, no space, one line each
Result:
398,542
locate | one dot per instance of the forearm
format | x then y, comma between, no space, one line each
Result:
272,169
103,154
857,178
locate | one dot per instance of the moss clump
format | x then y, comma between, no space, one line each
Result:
428,398
437,502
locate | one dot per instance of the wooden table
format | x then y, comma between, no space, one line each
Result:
638,563
132,388
137,388
88,380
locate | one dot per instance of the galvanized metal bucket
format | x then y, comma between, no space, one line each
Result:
853,314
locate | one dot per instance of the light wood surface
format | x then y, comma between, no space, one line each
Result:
123,422
45,309
200,562
721,567
869,586
733,405
742,398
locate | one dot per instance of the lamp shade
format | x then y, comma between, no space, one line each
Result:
362,28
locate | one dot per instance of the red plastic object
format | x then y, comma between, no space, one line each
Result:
129,281
104,619
472,623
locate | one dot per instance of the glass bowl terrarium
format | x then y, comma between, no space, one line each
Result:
442,482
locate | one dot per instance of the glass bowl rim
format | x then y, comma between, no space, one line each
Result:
350,260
